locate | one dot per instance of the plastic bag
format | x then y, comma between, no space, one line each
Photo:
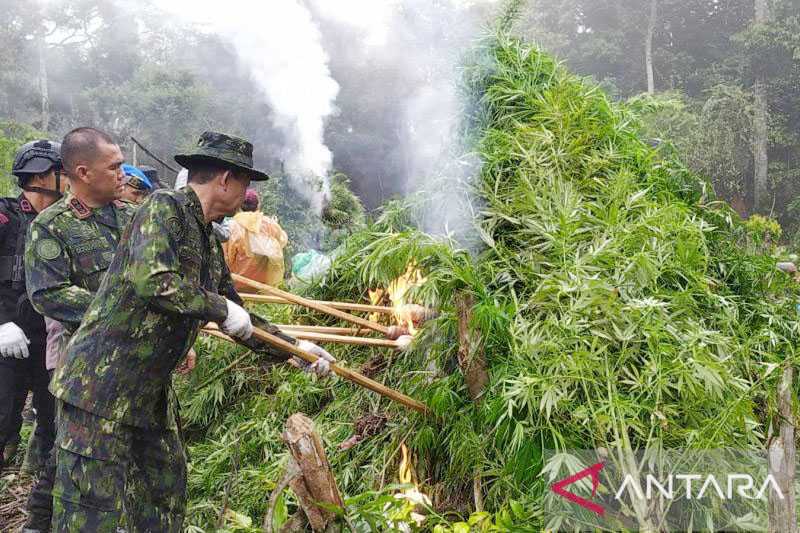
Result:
255,248
309,266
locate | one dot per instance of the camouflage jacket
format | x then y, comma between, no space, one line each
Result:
68,249
167,279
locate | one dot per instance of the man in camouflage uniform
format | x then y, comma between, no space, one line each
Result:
37,167
70,246
167,279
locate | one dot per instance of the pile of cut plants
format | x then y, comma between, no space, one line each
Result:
612,304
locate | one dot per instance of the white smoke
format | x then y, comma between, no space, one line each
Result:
280,45
425,40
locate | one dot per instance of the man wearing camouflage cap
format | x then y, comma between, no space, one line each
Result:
167,280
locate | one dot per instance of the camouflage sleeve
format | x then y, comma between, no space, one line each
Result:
48,278
154,267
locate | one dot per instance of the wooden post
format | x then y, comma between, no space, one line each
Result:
310,476
782,452
472,361
471,358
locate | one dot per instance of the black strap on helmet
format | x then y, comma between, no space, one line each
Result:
49,192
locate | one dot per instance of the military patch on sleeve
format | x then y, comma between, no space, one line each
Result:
175,226
48,249
4,218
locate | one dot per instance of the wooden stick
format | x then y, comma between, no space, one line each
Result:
342,306
342,339
213,329
383,330
324,329
151,154
346,373
350,375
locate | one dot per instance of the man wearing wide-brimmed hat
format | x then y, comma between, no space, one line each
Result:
168,278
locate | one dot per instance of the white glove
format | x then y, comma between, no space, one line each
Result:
238,322
322,366
13,342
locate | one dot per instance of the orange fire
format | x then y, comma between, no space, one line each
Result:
375,297
404,312
412,495
406,470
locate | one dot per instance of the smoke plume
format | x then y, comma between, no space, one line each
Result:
280,45
368,87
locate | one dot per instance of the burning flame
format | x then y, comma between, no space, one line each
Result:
375,297
412,495
405,473
403,311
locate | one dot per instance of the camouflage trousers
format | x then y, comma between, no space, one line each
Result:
111,475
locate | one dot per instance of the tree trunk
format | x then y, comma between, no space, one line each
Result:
471,358
782,461
45,101
760,133
648,47
316,482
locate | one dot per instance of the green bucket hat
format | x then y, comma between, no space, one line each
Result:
218,147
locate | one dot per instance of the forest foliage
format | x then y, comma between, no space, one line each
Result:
621,306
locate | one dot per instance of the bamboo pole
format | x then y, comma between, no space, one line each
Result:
346,373
213,329
324,329
383,330
341,306
344,339
214,332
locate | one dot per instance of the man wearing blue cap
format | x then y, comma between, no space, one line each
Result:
137,185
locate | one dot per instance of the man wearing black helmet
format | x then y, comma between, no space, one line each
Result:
37,167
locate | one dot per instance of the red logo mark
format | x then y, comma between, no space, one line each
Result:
593,471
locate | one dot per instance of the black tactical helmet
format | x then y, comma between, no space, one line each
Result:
36,157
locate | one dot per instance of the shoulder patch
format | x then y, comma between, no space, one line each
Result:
4,218
175,226
46,217
26,206
48,249
80,210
